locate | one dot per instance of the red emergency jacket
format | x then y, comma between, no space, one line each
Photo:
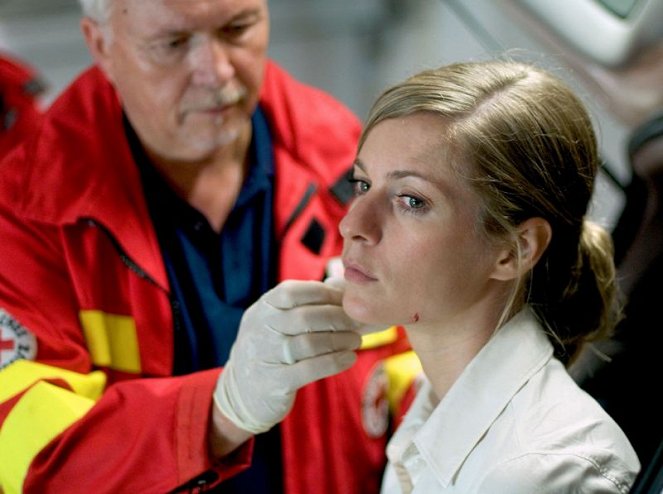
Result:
20,87
83,288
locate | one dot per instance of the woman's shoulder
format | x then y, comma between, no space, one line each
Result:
558,427
562,471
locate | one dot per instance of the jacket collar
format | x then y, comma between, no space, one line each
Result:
79,166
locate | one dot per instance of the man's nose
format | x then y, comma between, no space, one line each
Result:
211,61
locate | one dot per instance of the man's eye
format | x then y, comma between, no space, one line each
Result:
168,50
176,42
171,43
237,29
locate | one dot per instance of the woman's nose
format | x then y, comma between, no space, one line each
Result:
361,222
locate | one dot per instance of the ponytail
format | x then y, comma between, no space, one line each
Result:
583,303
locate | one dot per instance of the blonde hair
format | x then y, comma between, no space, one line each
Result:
526,144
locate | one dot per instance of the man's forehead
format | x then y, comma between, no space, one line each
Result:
183,5
155,16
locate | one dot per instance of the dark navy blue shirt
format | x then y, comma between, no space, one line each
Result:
214,277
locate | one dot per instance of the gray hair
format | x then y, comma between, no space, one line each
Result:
96,9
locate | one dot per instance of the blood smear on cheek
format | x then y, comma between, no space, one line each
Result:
415,317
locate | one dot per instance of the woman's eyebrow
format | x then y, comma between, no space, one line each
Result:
409,173
439,183
359,164
396,173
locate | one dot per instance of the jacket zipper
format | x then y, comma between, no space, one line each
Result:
140,272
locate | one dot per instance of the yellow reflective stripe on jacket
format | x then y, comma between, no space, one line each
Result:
373,340
43,412
111,340
401,370
22,374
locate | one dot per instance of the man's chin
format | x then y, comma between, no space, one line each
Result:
198,150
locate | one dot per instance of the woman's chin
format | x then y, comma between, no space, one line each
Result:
361,312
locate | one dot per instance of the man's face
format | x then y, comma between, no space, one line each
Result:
188,72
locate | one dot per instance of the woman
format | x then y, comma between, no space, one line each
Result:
468,228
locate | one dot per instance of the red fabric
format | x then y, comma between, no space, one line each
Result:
6,406
326,446
76,226
19,110
134,455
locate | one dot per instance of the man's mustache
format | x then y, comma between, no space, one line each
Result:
215,99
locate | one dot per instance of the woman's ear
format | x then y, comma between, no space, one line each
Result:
533,238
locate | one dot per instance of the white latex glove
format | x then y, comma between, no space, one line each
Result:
294,334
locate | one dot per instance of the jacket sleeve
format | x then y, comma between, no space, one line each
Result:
139,436
61,429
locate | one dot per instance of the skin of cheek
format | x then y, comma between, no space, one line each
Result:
459,271
160,98
158,95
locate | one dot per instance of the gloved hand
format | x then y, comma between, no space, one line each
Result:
294,334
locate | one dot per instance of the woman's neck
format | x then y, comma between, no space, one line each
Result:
446,349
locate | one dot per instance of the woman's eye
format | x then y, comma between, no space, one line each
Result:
359,186
414,202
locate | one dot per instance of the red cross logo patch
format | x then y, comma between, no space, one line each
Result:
374,404
16,342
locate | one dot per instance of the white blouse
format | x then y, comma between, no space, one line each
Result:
514,423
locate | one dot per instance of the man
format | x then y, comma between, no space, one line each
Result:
20,89
167,190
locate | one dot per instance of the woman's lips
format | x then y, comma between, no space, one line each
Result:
356,274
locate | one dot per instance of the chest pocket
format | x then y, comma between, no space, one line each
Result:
111,340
